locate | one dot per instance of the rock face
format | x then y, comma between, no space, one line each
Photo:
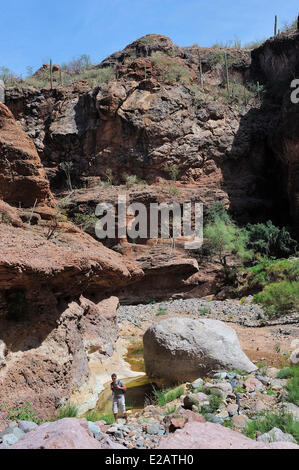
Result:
179,349
276,64
47,328
46,357
214,436
22,177
148,123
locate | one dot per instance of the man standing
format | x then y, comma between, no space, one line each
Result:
118,393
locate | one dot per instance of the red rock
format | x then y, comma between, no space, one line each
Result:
22,177
252,384
67,433
214,436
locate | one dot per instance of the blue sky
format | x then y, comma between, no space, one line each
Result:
33,31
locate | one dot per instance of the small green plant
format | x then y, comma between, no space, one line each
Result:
293,387
162,397
131,180
109,175
107,417
67,168
173,171
161,311
84,221
282,420
68,411
279,298
214,401
170,410
204,311
288,372
174,190
92,416
22,413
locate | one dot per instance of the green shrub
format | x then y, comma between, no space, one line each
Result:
162,397
170,69
223,239
107,417
68,411
279,298
293,387
21,413
214,401
269,240
170,410
288,372
204,311
84,221
282,420
92,416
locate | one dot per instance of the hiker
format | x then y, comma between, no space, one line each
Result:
118,393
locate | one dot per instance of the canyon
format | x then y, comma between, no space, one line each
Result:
161,129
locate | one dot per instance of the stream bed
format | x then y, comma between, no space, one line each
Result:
140,389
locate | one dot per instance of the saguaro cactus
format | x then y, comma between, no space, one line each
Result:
275,26
200,70
226,71
51,74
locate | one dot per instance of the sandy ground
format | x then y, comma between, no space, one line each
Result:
268,344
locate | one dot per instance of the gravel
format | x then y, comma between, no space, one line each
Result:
246,314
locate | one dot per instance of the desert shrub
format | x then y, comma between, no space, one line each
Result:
289,26
92,416
282,420
84,221
170,410
293,385
68,411
107,417
172,170
217,212
162,397
20,413
9,77
279,298
131,180
288,372
214,402
77,64
269,240
171,70
95,76
223,239
254,44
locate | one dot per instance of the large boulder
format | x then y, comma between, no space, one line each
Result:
214,436
181,349
68,433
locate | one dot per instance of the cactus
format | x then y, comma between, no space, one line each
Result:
200,70
51,74
275,26
145,72
60,76
226,72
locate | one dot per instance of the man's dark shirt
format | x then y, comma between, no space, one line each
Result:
117,392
